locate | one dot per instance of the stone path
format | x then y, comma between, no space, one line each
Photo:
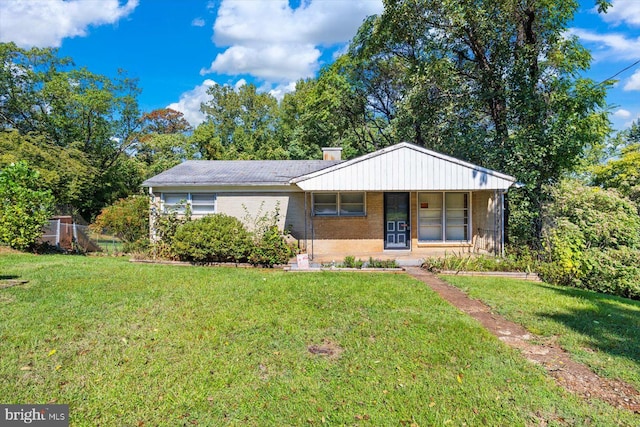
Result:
571,375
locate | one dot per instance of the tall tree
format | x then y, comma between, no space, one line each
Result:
622,172
244,122
495,82
163,141
73,107
65,171
164,121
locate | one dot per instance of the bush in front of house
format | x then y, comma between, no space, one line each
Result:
270,248
213,238
592,240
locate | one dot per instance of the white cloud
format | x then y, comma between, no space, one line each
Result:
270,62
280,91
622,113
623,11
634,81
270,40
47,23
610,46
198,22
190,101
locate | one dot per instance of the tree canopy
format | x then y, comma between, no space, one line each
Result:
496,83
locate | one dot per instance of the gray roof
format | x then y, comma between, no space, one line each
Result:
237,172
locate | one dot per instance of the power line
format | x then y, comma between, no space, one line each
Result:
620,72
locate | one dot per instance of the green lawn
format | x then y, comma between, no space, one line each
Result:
599,330
131,344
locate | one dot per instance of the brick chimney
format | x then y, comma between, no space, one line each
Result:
332,153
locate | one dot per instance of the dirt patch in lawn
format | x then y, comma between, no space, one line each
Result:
8,283
328,349
570,374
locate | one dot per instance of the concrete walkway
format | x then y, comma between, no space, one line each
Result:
569,374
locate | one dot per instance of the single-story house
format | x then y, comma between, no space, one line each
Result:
400,200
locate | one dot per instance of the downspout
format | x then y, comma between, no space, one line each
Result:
58,233
152,226
502,222
312,232
306,242
496,206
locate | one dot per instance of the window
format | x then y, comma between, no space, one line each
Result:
203,203
443,217
175,202
200,203
325,204
351,203
457,216
338,204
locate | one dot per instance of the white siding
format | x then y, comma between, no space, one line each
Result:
404,167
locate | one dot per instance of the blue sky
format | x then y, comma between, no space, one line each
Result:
178,48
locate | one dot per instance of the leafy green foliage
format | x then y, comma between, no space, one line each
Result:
270,246
73,110
163,229
241,124
65,171
24,206
381,263
491,82
127,218
514,260
623,172
351,262
213,238
592,240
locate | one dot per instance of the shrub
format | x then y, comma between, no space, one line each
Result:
351,262
270,249
269,243
606,219
564,245
164,228
213,238
127,218
520,259
382,263
24,206
592,241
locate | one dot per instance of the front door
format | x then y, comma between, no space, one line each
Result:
396,221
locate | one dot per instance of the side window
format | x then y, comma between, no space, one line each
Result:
352,204
199,203
203,203
325,204
175,202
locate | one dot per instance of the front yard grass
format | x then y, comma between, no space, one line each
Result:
138,344
599,330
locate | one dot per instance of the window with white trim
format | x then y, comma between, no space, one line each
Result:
443,216
199,203
339,204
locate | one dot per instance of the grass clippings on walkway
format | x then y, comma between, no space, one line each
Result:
136,344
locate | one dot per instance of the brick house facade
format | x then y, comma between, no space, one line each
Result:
402,199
